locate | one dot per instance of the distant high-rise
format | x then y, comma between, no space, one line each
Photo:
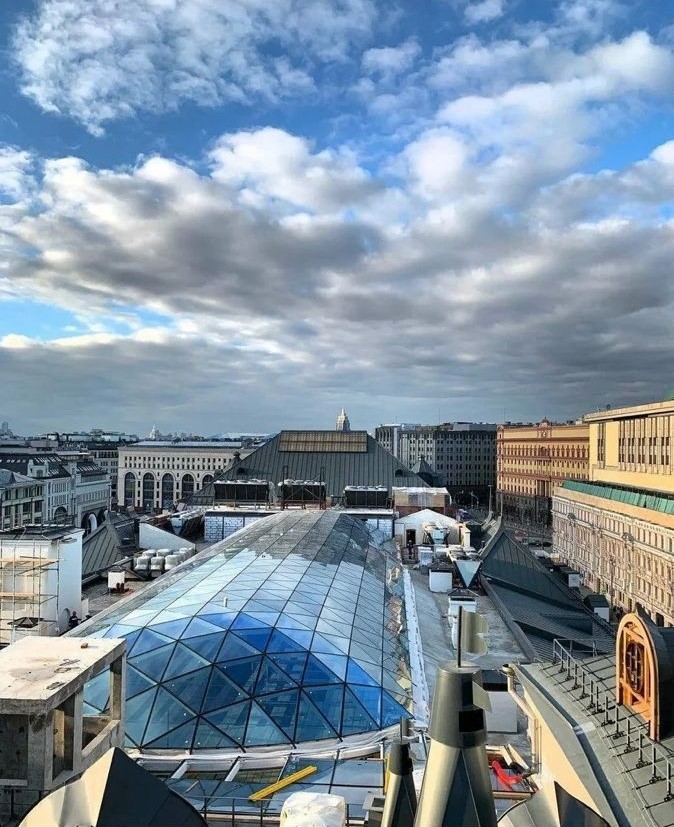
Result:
343,423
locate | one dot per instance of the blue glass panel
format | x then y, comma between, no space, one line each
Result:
137,712
97,691
87,709
190,688
206,645
290,621
392,712
317,673
171,628
180,738
321,644
231,719
300,636
153,663
271,679
198,626
122,630
135,682
146,642
208,737
221,692
183,660
280,642
246,621
355,718
266,617
243,672
355,674
336,663
292,663
282,709
341,643
167,713
370,697
233,647
259,638
311,725
223,619
262,730
329,700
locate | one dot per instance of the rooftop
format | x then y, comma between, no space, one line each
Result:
640,497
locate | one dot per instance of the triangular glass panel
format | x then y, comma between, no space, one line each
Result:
299,635
207,646
336,663
392,711
167,713
267,617
198,626
222,618
355,717
356,674
339,642
292,663
97,691
180,738
153,663
246,621
370,698
258,638
295,621
317,673
190,688
182,661
137,711
282,709
271,679
136,682
322,644
171,628
334,628
243,672
329,700
234,647
221,692
147,641
311,725
231,720
262,730
208,737
281,642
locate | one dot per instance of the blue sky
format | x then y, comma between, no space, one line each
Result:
244,216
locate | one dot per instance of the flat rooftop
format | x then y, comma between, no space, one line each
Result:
38,668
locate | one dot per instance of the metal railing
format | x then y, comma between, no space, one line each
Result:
237,812
623,731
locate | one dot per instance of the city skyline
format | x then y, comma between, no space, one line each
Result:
245,221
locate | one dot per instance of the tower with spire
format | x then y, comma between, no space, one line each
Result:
343,423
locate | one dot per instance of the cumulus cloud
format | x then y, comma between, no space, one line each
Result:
99,60
483,12
390,61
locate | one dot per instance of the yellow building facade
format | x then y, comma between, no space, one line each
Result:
617,528
532,460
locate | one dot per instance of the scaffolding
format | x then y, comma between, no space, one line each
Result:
28,589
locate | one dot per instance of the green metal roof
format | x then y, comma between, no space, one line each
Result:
630,496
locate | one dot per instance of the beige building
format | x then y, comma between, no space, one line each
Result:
21,500
617,528
155,474
532,460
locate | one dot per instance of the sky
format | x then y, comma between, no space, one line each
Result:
243,216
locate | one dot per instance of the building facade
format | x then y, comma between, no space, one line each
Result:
462,455
155,474
617,528
21,500
532,460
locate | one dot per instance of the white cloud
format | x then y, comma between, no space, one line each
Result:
98,60
484,11
390,61
15,167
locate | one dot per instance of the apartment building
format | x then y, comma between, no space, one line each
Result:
534,458
617,528
462,455
21,499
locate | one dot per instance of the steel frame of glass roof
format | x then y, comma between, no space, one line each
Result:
286,633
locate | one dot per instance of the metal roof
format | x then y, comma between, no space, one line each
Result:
274,461
111,542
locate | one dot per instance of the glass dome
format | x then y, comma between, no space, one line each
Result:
285,633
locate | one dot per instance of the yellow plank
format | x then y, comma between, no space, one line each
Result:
268,791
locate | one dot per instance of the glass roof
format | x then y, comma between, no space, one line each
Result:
287,632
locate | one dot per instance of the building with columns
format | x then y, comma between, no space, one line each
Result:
532,459
617,528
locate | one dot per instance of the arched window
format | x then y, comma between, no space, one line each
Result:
208,478
129,489
148,492
167,490
187,486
